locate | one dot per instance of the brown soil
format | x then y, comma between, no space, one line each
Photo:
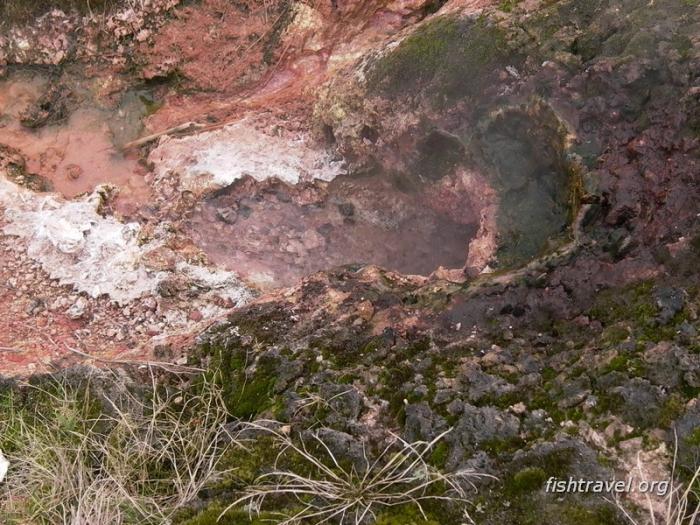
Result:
232,58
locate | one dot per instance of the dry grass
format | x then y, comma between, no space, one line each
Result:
77,459
312,401
324,491
680,506
139,462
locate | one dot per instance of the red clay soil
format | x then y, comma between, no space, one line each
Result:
231,58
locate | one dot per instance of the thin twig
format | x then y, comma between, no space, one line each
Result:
181,128
157,364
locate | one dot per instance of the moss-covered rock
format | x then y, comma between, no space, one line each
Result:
448,58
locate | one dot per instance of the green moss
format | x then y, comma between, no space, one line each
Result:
399,369
528,479
683,45
247,396
345,356
607,402
641,44
404,515
548,374
243,466
599,515
615,334
547,398
503,401
247,374
448,58
418,57
557,462
529,508
549,22
634,307
529,505
693,439
438,457
672,409
626,364
508,5
501,446
210,516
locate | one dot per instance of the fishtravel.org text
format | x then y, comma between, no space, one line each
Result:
573,485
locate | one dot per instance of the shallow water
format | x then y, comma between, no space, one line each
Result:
80,153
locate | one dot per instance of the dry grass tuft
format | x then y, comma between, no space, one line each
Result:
138,463
325,491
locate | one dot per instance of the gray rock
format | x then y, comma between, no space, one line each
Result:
481,424
343,446
562,458
670,301
663,366
443,396
641,402
575,392
78,309
287,371
455,407
344,401
479,384
688,329
422,423
687,428
690,365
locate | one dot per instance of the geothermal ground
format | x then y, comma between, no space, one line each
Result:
468,223
230,178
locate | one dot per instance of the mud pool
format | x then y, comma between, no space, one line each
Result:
271,233
273,206
275,235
